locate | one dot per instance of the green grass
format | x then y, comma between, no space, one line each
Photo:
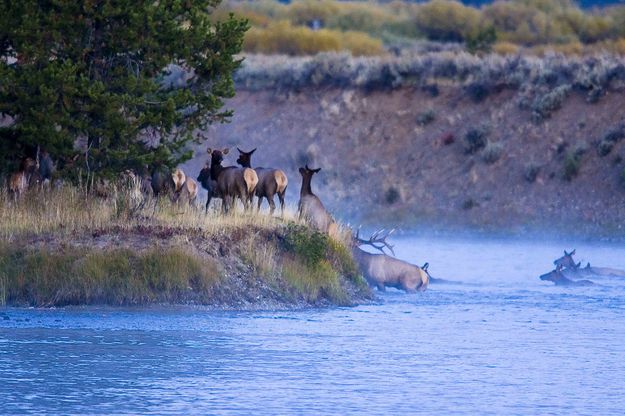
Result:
77,276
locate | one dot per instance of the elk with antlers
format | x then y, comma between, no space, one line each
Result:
270,181
311,208
382,270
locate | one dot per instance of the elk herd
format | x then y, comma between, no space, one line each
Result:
243,183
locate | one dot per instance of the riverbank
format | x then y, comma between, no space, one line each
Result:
64,248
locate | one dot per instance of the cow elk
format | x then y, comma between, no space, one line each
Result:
567,261
20,180
231,181
270,182
311,208
382,270
184,186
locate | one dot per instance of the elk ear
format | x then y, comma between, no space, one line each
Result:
302,170
225,151
240,151
578,264
209,151
306,167
425,266
252,151
316,170
572,252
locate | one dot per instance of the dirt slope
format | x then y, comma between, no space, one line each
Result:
398,157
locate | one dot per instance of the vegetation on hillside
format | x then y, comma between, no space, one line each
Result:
536,25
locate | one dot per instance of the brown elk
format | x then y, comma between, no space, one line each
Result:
231,181
557,276
184,185
567,261
382,270
20,180
270,181
311,208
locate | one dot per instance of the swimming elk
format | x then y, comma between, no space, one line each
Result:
231,181
311,208
566,261
382,270
270,181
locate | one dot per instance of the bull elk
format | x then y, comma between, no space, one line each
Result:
382,270
270,182
184,185
231,182
311,208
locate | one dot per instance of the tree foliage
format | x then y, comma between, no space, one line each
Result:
124,83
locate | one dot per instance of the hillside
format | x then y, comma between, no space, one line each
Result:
412,155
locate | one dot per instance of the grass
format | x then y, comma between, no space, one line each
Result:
77,276
155,251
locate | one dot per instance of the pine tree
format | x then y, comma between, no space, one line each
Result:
122,83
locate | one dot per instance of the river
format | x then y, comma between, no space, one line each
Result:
503,342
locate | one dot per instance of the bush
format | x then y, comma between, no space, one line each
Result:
544,105
531,172
306,244
426,117
572,164
482,40
475,140
605,145
492,152
446,20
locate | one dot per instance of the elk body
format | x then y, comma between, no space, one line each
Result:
311,208
204,178
184,186
162,182
20,180
270,182
557,276
382,270
231,182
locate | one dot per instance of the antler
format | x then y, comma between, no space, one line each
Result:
377,240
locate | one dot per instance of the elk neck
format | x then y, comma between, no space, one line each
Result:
306,188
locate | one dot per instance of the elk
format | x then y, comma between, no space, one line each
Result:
557,276
311,208
19,181
382,270
231,181
184,185
270,182
204,178
567,261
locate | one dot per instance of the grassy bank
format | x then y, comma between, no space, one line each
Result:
69,247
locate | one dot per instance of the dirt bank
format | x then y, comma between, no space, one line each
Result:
442,156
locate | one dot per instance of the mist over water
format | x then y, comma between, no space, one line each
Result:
503,342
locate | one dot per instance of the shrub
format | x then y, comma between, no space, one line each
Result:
572,164
392,195
306,244
426,117
610,138
481,40
445,20
479,90
492,152
531,172
544,105
475,140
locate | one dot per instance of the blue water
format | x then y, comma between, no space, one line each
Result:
502,343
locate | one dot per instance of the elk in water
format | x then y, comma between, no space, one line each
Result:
382,270
566,261
270,181
557,276
311,208
232,182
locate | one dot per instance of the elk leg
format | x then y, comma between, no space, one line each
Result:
272,205
381,287
208,201
281,198
260,201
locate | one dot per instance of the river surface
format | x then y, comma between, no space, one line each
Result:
503,342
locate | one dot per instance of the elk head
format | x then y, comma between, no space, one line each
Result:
245,158
217,156
566,261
